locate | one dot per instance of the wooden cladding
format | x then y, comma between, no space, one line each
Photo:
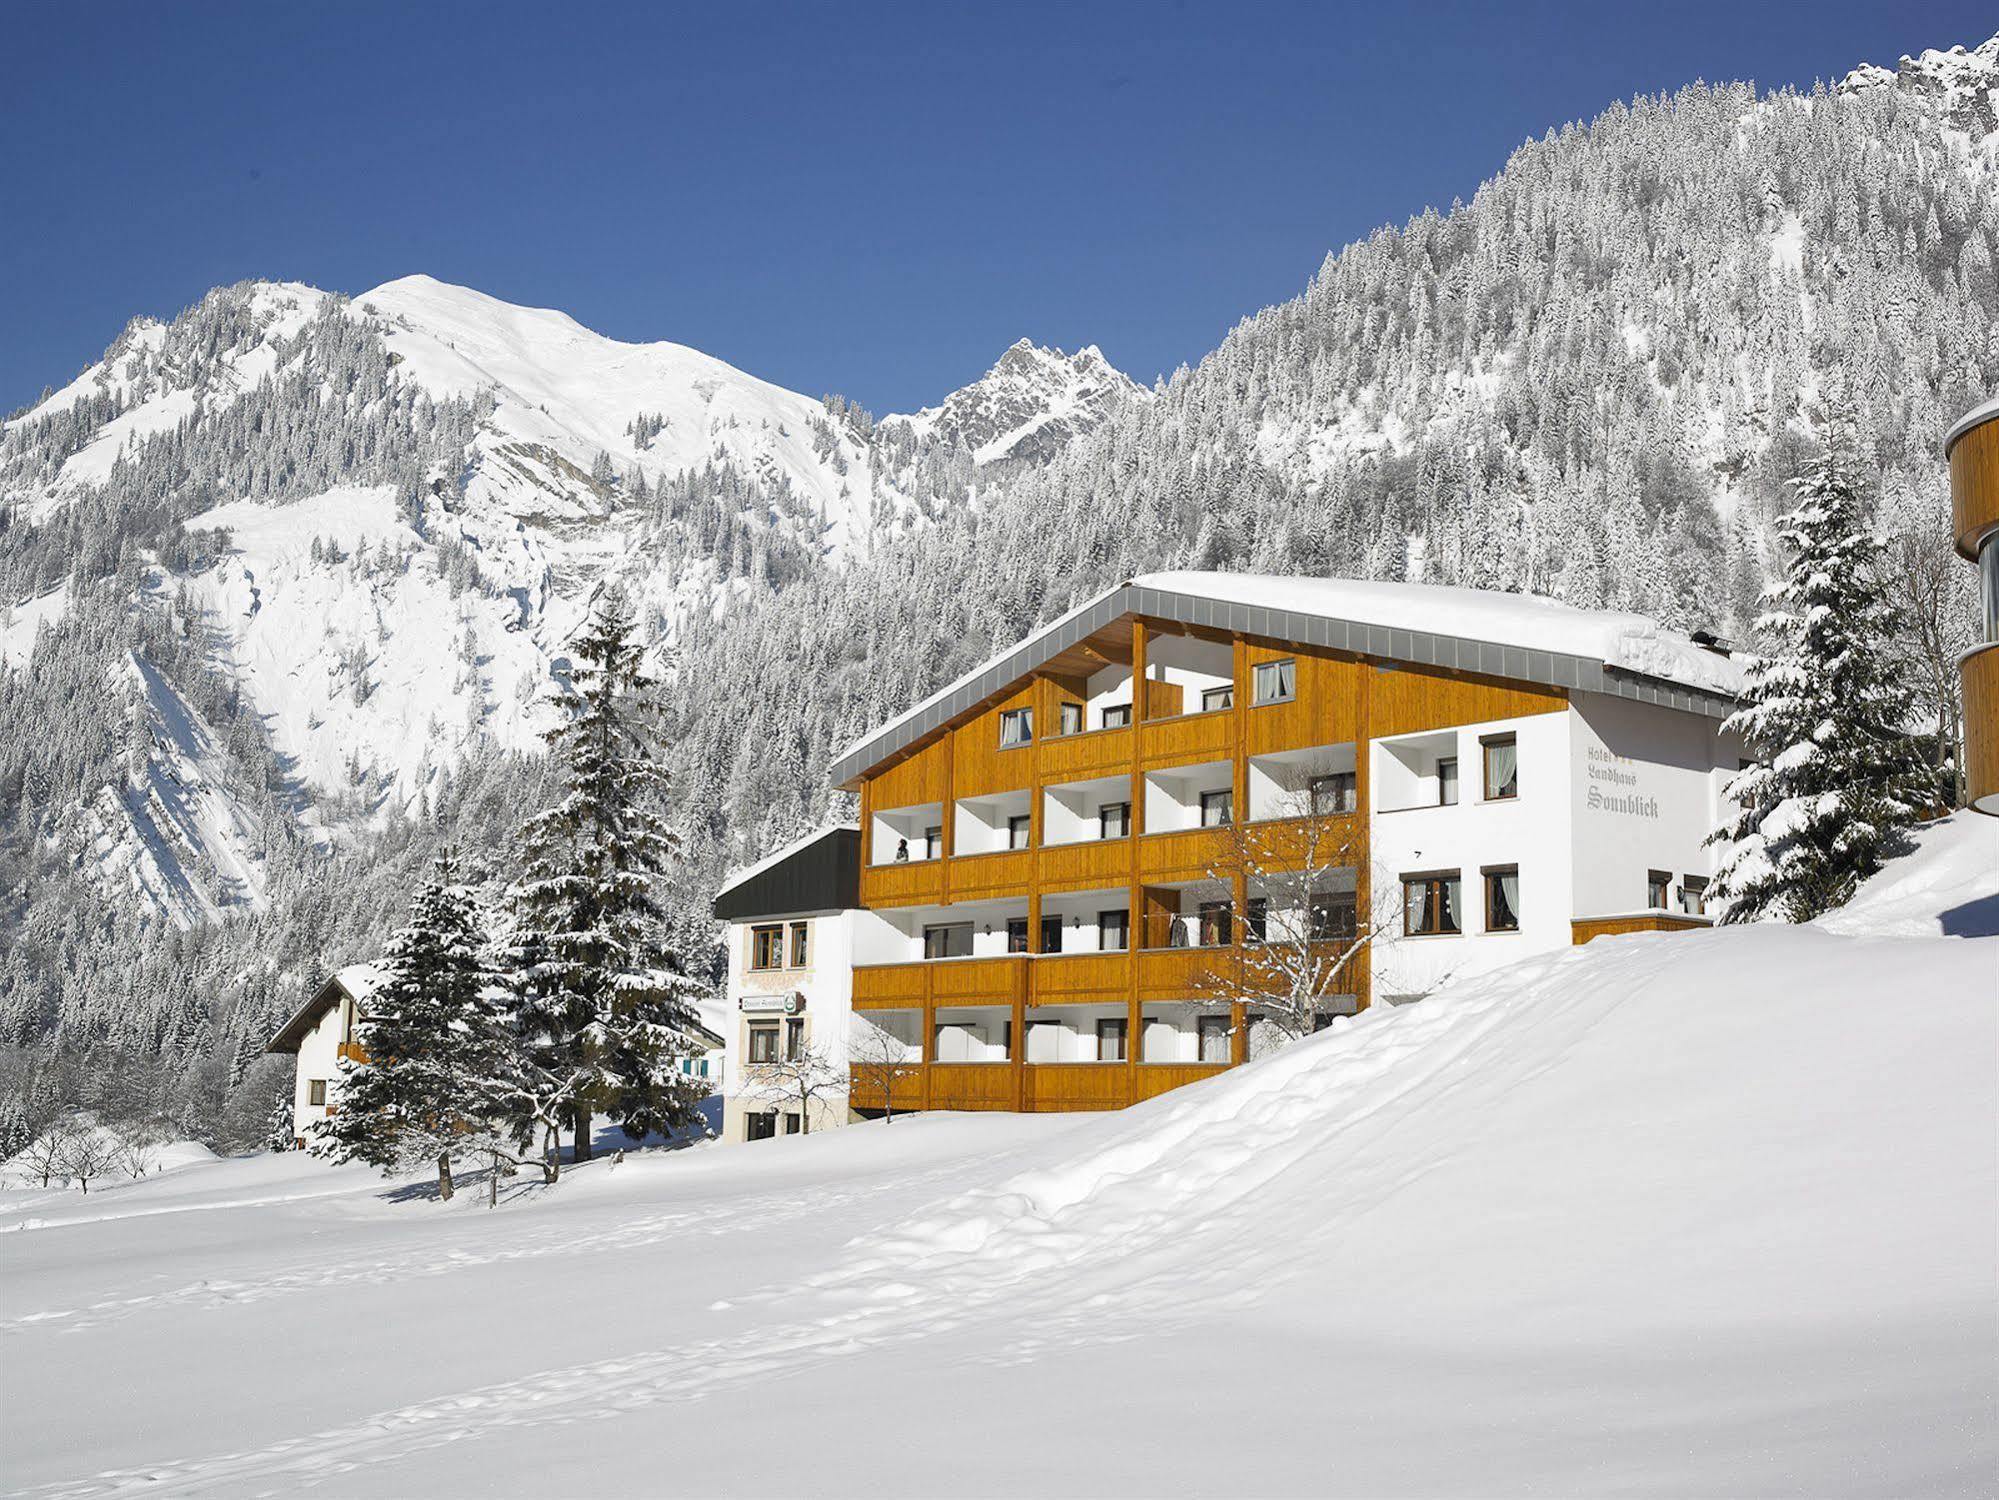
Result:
1978,673
1974,487
1582,929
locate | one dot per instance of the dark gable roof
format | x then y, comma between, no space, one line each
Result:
1386,644
355,982
821,874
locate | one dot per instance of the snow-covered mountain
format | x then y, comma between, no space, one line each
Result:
1030,405
352,537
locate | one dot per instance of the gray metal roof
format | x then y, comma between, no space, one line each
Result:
1416,647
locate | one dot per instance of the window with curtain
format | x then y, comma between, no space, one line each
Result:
1502,899
948,940
1214,699
1256,919
1110,1040
1217,809
1016,935
767,947
1502,767
1430,905
1018,831
1693,895
1113,931
1657,884
763,1044
315,1091
1016,727
1276,680
794,1038
1072,718
1217,924
1335,917
933,842
1051,934
801,950
1447,782
1114,820
1116,715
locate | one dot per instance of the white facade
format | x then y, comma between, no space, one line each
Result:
1607,794
796,1005
323,1026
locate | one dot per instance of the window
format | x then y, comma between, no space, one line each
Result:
1051,934
1215,699
1657,882
1335,917
1447,782
1502,767
1276,681
1214,1034
1116,715
1430,904
791,1122
1110,1039
950,940
1072,718
760,1126
800,944
315,1091
767,947
1019,830
1217,809
1693,895
1256,920
1502,898
763,1044
933,843
794,1038
1114,820
1016,934
1113,931
1333,794
1016,727
1217,924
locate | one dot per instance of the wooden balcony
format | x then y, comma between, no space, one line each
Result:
1184,854
1084,1085
970,1085
1006,872
1079,978
908,883
942,981
1177,973
1187,739
1043,1087
1084,866
1077,757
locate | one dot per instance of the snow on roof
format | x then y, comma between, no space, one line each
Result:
1977,416
1531,622
361,980
1524,622
781,855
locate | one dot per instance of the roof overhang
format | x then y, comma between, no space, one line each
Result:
295,1031
1357,637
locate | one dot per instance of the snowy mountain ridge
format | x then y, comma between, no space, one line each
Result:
1031,404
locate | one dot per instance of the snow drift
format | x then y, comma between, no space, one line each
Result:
1667,1214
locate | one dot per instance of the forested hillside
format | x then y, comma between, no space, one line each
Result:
286,584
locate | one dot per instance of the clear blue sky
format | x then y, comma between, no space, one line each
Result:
871,199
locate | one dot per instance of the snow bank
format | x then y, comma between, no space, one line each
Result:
1947,885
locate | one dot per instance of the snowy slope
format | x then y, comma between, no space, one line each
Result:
1669,1214
1029,405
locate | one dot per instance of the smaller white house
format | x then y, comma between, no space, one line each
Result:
790,990
320,1034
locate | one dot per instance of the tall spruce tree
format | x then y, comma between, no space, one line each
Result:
604,1009
1832,773
437,1042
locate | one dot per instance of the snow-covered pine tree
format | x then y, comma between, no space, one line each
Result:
439,1049
1832,775
604,1009
279,1126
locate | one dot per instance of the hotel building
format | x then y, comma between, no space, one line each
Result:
1972,450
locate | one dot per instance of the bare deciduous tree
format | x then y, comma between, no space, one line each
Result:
1935,596
47,1155
89,1152
808,1076
1298,925
878,1057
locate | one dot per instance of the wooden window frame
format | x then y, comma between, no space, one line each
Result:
794,1038
1062,718
1486,744
1662,882
800,941
1438,878
1122,721
1694,886
315,1093
1256,681
1489,876
774,931
1025,717
759,1032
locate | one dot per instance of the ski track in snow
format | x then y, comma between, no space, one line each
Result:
431,1259
1073,1256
